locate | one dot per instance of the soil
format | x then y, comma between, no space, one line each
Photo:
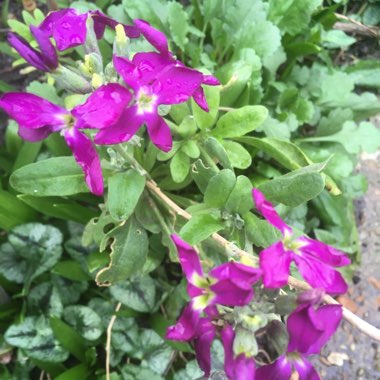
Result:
350,354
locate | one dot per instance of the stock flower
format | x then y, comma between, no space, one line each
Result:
309,329
153,62
314,259
237,367
229,284
68,27
38,118
171,86
45,60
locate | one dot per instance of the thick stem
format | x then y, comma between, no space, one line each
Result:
232,250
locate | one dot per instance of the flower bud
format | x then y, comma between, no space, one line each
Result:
71,81
120,44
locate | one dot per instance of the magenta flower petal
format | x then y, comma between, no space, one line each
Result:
30,55
200,99
47,25
275,264
32,111
281,369
320,275
305,370
48,51
310,329
85,154
154,36
177,84
125,128
70,30
202,344
324,252
270,214
229,294
210,80
159,132
151,64
237,272
33,135
188,258
186,326
244,368
103,108
128,71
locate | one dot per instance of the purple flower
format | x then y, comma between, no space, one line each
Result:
155,62
170,86
229,284
309,329
68,27
38,118
314,259
45,60
237,367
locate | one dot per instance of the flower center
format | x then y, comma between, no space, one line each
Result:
203,283
292,243
146,101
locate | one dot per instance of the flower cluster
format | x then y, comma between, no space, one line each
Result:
116,111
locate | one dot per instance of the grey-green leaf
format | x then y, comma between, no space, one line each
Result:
219,188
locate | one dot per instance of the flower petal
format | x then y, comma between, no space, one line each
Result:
186,326
237,272
103,108
275,264
306,371
30,55
176,85
151,64
310,329
229,294
319,274
200,98
33,135
125,128
32,111
228,336
188,258
128,71
48,24
70,30
281,369
244,368
210,80
159,132
202,344
154,36
323,252
86,156
267,210
49,55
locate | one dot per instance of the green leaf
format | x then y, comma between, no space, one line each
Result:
205,119
191,148
27,154
240,198
129,249
259,231
296,187
70,269
69,338
219,188
292,16
217,152
202,174
84,320
240,121
124,191
36,338
134,372
285,153
178,24
21,29
239,156
365,73
364,137
200,227
59,207
138,293
179,167
337,39
32,250
14,212
54,176
80,371
44,90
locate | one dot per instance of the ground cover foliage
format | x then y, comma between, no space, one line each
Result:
289,118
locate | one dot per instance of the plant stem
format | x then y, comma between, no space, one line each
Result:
108,342
131,160
232,250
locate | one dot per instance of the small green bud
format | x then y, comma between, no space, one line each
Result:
68,79
121,42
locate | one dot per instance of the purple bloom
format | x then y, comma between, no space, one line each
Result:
38,118
45,60
314,259
229,284
309,329
155,62
237,367
68,27
170,86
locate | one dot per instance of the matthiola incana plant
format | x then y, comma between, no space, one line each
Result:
195,211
